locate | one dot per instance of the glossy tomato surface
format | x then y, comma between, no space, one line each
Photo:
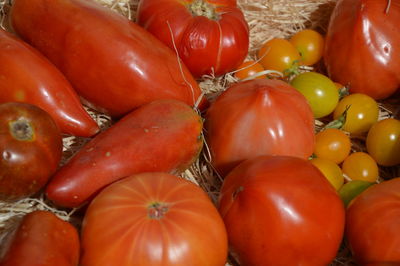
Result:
249,69
114,64
163,136
30,149
372,224
310,45
27,76
42,239
280,210
153,219
258,117
362,48
211,36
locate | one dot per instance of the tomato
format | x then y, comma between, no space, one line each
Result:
114,64
29,77
310,45
352,189
360,166
383,142
319,90
362,113
163,220
211,36
372,224
42,238
258,117
249,69
280,210
30,148
164,136
278,54
362,46
332,144
330,170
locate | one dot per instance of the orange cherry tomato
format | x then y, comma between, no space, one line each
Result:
249,69
310,45
332,144
360,166
331,171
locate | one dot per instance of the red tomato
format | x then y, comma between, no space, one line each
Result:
249,69
258,117
310,45
30,149
281,210
112,63
363,46
42,239
27,76
372,224
162,220
164,136
211,36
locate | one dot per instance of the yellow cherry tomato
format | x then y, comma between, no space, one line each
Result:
332,144
360,166
249,69
310,44
331,171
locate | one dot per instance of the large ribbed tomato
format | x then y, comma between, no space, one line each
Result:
153,219
211,36
363,46
258,117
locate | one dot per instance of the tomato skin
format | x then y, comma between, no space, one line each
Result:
258,117
42,239
372,219
332,144
330,170
164,136
111,62
361,166
215,44
27,76
310,45
278,210
363,46
186,218
248,69
30,147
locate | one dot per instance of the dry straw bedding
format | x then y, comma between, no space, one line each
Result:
267,19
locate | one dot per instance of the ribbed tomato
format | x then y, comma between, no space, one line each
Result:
153,219
211,36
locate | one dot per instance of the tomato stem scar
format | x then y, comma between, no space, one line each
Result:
157,210
21,129
202,8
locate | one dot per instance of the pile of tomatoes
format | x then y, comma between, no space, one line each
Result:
300,141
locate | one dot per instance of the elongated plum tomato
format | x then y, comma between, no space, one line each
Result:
30,149
279,210
211,36
153,219
310,45
249,69
372,218
332,144
362,46
258,117
41,238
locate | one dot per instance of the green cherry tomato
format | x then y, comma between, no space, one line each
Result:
320,92
352,189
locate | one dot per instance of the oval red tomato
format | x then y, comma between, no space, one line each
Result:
372,224
362,47
211,36
258,117
153,219
281,210
30,149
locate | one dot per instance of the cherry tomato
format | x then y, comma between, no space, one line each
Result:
332,144
362,113
352,189
249,69
319,90
360,166
383,142
331,171
278,54
310,45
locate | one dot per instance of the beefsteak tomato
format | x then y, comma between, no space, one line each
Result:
42,239
162,220
281,210
113,63
211,36
163,136
372,224
27,76
258,117
30,149
362,49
